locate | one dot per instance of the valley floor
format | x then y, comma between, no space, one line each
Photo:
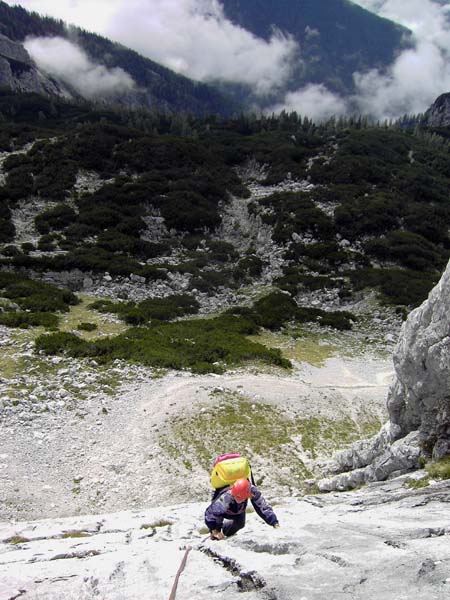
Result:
151,443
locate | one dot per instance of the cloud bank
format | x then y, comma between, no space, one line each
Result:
194,38
313,101
191,37
67,62
411,84
419,74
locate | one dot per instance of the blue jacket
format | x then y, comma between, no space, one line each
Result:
224,506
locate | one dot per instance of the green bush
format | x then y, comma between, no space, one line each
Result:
397,286
87,326
27,247
11,250
297,213
35,295
208,281
162,309
153,309
208,345
274,310
46,243
27,319
7,229
247,268
409,249
56,218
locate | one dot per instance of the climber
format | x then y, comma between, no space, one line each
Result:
229,503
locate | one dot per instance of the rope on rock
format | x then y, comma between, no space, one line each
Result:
173,593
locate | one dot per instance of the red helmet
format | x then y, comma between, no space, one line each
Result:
241,490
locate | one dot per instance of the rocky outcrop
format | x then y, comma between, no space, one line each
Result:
18,72
438,115
363,545
420,397
418,401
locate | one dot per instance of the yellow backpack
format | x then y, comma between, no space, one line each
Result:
228,468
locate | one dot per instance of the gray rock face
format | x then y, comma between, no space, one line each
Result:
19,73
383,541
13,51
418,401
438,114
420,397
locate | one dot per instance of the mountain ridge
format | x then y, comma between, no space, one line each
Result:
334,42
157,86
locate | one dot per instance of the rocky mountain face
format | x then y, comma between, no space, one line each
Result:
383,541
438,115
418,401
18,72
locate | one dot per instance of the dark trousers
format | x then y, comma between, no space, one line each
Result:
233,524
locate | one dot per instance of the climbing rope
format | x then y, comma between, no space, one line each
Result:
173,593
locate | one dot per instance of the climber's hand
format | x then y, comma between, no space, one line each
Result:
276,526
217,535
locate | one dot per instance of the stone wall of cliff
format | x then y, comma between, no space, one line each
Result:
18,72
418,401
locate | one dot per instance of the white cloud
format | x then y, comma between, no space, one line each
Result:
419,74
66,61
313,101
93,15
192,37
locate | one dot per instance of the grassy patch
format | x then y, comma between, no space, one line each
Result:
307,349
257,430
417,484
439,469
76,534
81,313
16,539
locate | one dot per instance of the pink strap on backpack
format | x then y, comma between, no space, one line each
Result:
225,457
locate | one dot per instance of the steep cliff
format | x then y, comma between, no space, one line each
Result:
438,115
418,400
420,397
19,74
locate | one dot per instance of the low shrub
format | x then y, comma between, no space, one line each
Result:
28,319
208,281
153,309
276,309
397,286
409,249
202,346
27,247
248,268
57,218
11,250
34,295
87,326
